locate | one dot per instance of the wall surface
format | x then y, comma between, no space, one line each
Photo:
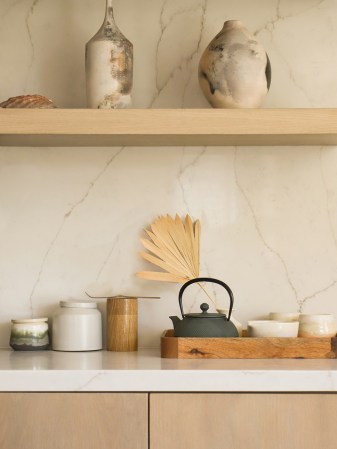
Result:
71,219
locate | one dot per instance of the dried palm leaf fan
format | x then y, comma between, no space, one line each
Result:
174,246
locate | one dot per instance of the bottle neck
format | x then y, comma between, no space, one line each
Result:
109,30
109,13
109,27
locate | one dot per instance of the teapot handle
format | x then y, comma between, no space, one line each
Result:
215,281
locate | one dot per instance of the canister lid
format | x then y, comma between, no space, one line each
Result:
78,304
30,320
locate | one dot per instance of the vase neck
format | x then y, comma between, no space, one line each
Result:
109,13
232,24
109,27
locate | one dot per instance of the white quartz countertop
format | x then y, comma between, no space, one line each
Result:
146,371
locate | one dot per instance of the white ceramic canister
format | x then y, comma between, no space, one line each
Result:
77,326
29,334
317,325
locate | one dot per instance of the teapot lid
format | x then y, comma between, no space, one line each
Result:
204,307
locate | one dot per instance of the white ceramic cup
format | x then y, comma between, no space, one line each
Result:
284,316
270,328
323,325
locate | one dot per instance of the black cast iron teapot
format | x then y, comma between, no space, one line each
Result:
204,324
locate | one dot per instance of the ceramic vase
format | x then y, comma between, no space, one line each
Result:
109,66
234,70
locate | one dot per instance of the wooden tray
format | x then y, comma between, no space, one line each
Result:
247,348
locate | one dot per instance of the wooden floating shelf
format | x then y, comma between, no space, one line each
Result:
167,127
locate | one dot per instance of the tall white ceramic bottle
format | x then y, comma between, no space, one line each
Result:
109,66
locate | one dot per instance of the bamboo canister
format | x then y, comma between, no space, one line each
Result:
122,324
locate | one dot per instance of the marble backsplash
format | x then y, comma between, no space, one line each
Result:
71,218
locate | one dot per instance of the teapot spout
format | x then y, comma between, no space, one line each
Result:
175,320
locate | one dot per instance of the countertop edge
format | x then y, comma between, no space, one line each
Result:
145,371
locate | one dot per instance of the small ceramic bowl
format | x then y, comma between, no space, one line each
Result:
317,326
284,316
271,328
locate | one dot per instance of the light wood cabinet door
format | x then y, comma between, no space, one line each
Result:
73,421
243,421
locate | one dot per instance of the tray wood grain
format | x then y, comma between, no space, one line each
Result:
247,348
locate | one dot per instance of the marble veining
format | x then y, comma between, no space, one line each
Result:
62,224
179,15
71,219
258,230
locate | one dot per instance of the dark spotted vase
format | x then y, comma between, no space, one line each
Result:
234,70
